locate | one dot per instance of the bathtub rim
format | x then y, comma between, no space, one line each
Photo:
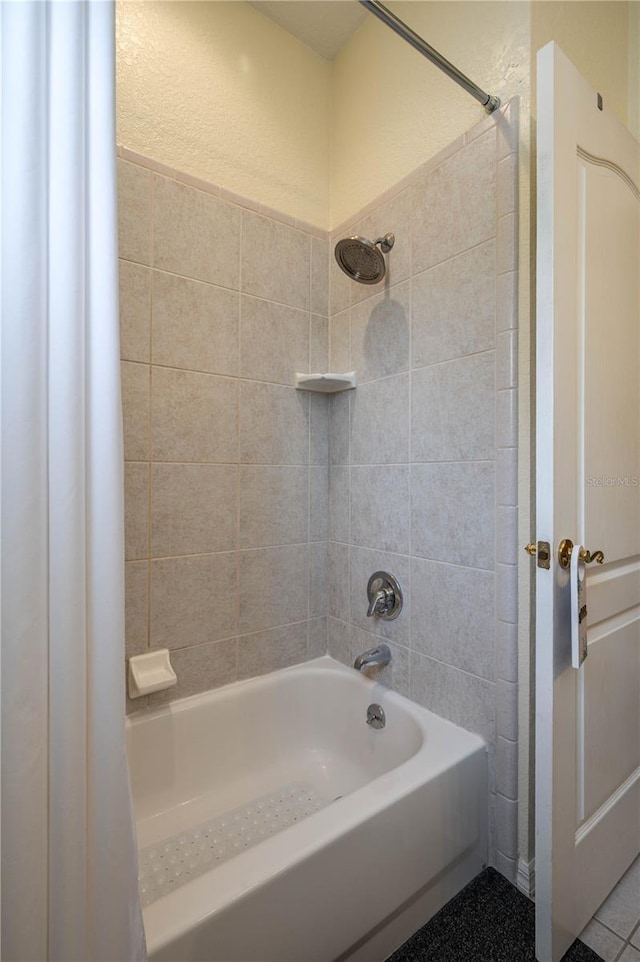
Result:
325,663
426,721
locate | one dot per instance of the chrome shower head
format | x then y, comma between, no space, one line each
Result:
360,258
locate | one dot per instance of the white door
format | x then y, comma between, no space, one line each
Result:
588,491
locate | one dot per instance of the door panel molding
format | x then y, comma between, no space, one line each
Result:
610,165
629,785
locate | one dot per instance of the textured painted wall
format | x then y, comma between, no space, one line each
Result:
392,110
219,91
594,34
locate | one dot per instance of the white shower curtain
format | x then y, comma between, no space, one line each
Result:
69,888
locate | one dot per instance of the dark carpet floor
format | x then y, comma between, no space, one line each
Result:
489,921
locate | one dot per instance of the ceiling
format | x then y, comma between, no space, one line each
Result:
323,25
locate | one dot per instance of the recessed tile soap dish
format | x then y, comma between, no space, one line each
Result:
150,672
326,383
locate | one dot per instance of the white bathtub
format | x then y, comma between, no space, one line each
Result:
398,822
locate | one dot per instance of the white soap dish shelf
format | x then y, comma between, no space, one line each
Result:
326,383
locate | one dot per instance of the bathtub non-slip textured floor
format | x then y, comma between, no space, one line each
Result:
176,860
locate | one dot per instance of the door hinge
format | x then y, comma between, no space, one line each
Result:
541,550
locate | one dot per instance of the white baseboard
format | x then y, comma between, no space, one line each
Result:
526,877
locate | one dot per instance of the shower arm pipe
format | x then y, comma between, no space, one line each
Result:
488,101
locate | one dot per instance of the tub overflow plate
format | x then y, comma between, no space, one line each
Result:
376,716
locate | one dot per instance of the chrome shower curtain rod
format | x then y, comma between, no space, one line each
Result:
488,101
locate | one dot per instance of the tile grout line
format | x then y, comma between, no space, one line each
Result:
350,404
310,561
239,402
150,415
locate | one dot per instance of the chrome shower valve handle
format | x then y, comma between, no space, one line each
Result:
381,602
385,596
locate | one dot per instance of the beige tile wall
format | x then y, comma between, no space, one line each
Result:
226,463
255,514
423,453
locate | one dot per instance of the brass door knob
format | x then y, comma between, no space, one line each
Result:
588,557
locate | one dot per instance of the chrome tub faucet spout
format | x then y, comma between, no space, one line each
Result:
374,658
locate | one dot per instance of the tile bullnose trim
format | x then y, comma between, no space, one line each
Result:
148,162
507,115
209,187
526,877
